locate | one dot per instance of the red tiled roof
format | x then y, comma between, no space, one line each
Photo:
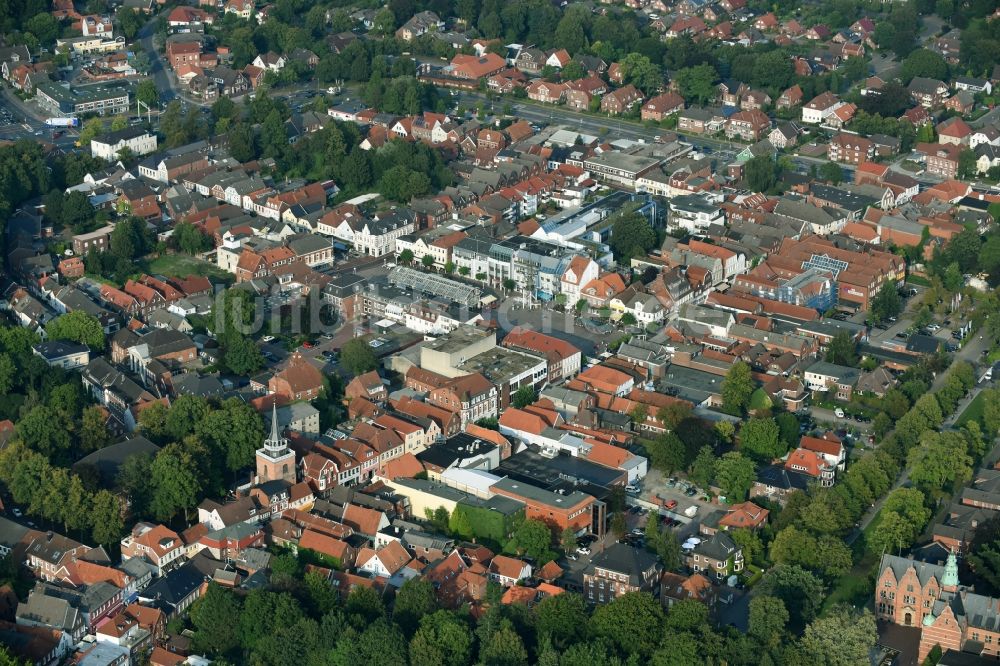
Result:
507,567
553,348
323,544
805,461
821,446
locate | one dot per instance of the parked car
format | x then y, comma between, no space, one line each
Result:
839,413
583,550
267,338
672,504
632,488
691,492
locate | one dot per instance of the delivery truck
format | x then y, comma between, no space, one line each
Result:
63,122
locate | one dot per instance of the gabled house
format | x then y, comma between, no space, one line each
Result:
618,570
620,100
717,557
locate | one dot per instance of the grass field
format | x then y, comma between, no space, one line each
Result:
974,412
182,265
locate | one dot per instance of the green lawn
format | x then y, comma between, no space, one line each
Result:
182,265
853,589
974,412
918,280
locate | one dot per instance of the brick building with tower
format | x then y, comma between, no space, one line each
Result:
929,596
275,461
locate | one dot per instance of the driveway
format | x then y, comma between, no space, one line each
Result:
822,415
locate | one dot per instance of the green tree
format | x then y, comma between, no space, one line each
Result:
532,538
831,172
106,516
632,622
190,239
940,461
687,615
664,543
737,388
415,599
667,453
570,32
234,431
77,326
887,303
523,397
842,636
768,619
133,481
800,591
358,357
702,470
94,433
184,415
215,617
441,640
640,72
81,509
128,21
842,350
908,503
760,439
176,480
147,93
242,355
750,543
563,618
735,475
90,130
672,414
760,173
773,70
697,84
504,648
926,63
44,431
631,236
788,429
618,524
892,533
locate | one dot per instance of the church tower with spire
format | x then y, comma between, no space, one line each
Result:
275,461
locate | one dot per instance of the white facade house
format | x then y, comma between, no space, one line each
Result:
377,237
694,212
137,140
581,271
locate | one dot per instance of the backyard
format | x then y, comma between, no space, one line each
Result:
182,265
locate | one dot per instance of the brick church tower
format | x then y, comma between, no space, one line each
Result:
275,461
943,629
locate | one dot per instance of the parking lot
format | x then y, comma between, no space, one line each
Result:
675,498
